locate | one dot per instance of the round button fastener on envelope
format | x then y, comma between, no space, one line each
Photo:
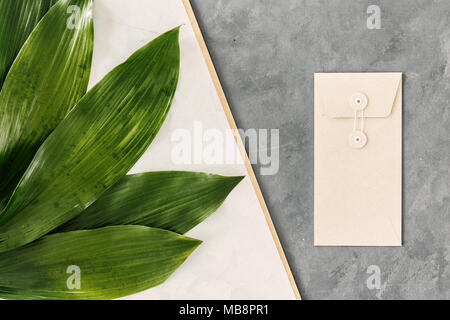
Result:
358,101
357,139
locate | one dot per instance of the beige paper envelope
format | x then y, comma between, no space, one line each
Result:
358,176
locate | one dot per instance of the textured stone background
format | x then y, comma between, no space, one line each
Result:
266,52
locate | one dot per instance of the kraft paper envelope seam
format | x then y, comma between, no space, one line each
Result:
358,159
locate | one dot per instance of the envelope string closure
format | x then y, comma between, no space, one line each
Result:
357,138
355,121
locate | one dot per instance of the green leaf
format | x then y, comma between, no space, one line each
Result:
17,19
104,263
50,74
175,201
95,145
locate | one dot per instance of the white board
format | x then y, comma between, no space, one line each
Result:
239,258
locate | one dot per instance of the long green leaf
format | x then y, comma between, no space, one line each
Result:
175,201
50,74
95,145
104,263
17,19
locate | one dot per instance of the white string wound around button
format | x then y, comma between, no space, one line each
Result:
357,138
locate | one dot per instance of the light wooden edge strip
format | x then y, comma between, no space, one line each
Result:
233,126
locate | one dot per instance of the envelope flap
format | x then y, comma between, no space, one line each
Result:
335,89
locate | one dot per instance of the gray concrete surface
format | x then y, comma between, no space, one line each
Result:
266,52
